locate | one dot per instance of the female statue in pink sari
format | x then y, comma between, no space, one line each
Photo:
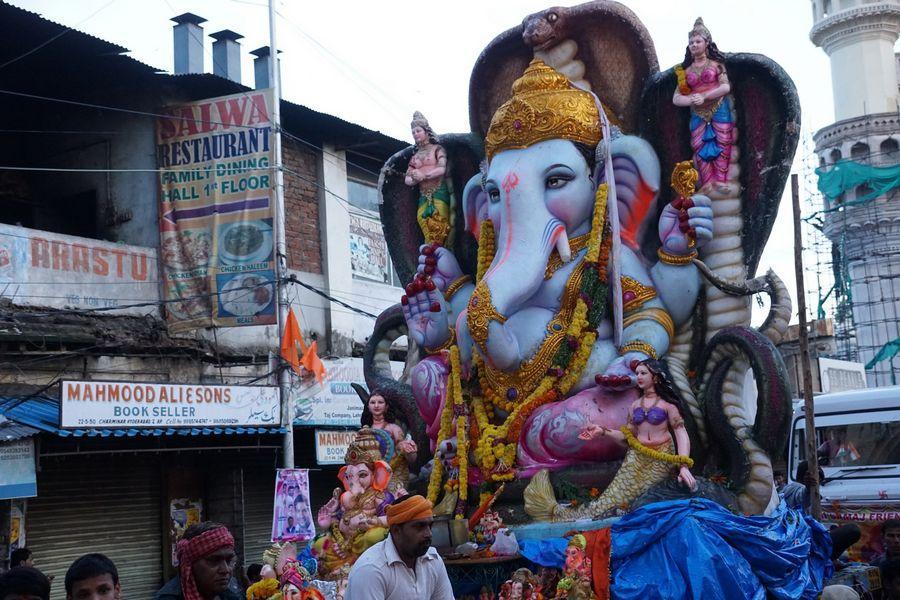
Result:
703,87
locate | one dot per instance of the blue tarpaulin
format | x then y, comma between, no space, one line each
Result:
695,549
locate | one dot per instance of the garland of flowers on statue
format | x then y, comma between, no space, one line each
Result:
683,87
495,451
437,467
637,446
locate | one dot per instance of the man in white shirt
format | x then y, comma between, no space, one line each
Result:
403,566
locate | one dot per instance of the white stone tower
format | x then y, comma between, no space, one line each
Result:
859,38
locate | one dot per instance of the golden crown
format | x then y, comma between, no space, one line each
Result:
544,106
364,449
579,541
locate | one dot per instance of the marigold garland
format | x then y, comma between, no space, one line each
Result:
437,469
683,88
462,446
637,446
490,450
486,248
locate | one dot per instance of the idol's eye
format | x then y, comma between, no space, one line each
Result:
554,182
493,194
552,17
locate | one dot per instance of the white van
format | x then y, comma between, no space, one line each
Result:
858,436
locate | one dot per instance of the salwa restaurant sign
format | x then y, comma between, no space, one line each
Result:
151,405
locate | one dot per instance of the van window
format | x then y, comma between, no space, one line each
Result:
857,440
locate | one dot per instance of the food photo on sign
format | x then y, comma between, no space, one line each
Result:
292,516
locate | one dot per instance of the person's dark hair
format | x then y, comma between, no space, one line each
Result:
712,53
19,556
254,572
890,524
662,385
25,581
390,415
803,469
198,529
88,566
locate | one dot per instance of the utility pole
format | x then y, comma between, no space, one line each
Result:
812,460
281,271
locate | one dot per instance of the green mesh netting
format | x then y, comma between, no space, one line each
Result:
847,175
887,352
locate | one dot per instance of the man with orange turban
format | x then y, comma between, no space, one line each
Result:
404,566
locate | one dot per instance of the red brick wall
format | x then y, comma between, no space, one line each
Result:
301,203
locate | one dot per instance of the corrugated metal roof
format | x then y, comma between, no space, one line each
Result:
10,430
42,414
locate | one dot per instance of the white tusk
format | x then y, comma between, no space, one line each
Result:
562,246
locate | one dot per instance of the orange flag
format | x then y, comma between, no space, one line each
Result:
311,362
290,340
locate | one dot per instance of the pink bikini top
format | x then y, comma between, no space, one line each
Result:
707,76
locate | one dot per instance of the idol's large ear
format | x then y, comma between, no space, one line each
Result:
602,44
399,203
767,111
474,205
382,475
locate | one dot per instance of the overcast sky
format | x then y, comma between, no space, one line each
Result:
374,63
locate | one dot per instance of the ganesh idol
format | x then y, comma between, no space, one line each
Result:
594,236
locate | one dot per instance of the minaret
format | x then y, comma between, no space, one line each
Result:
859,38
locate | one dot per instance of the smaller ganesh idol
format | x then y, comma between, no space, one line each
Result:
522,585
396,446
355,517
576,581
703,87
427,170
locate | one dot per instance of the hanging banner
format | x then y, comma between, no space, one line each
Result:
135,405
333,402
17,476
183,512
216,211
16,525
292,517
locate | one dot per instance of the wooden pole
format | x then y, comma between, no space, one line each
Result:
812,459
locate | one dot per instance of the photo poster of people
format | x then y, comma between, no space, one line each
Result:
292,517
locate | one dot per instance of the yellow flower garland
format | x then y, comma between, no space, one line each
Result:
486,248
637,446
437,470
490,449
683,88
462,445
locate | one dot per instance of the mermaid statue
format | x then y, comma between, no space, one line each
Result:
427,170
651,455
703,87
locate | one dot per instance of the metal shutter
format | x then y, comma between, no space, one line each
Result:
100,504
259,502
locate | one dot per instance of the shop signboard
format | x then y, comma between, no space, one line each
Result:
17,475
216,213
334,402
111,404
332,445
841,375
39,268
292,515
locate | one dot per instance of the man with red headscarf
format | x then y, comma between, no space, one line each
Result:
403,566
206,561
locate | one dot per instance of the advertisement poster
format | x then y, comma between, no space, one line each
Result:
334,402
39,268
17,476
869,520
137,405
16,525
292,517
217,247
183,512
841,375
332,445
368,249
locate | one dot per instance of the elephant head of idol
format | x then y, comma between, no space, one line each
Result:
541,193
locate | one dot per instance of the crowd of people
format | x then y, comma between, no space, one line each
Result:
404,566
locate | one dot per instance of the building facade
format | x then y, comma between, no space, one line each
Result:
861,215
80,298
